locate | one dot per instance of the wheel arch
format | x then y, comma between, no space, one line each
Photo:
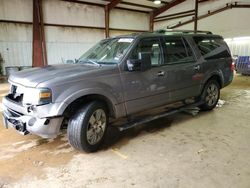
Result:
216,77
78,102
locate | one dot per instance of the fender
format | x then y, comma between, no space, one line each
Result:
84,92
217,73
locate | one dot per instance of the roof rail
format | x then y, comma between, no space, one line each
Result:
171,31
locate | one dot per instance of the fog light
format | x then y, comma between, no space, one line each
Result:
47,121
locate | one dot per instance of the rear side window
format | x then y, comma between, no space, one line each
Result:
212,47
177,51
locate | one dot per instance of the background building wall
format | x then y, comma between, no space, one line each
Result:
16,39
229,23
62,42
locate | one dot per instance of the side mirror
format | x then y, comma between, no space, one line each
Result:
143,63
134,64
69,61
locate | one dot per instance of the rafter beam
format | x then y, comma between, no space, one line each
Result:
175,14
210,13
113,4
138,5
174,17
84,2
160,10
166,7
235,5
202,1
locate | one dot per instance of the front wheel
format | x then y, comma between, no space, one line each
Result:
87,128
210,95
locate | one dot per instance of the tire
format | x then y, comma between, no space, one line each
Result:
87,128
210,95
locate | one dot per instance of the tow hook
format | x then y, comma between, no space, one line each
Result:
30,107
21,127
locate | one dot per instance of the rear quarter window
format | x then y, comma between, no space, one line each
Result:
212,47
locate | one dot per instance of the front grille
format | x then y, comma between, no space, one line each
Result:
13,89
17,98
14,113
14,96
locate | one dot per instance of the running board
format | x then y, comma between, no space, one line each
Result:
154,117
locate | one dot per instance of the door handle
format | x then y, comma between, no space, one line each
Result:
161,73
197,67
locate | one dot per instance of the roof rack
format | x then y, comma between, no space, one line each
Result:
171,31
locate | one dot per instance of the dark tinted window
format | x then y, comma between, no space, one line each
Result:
212,47
176,51
189,51
151,46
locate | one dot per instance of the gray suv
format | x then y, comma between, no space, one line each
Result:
118,78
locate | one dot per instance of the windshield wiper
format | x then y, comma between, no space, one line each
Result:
107,63
89,61
93,62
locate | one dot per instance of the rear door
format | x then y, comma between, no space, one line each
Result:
182,69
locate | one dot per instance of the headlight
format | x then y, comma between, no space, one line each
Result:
45,96
36,96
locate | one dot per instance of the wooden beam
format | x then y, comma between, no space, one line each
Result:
137,5
45,62
113,4
128,30
151,21
107,10
106,21
102,5
39,56
196,15
240,6
176,14
174,17
210,13
16,22
202,1
133,10
72,26
166,7
36,43
84,2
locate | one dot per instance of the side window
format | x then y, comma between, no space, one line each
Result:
151,46
176,51
212,47
190,55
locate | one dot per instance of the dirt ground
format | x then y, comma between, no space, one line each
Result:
211,149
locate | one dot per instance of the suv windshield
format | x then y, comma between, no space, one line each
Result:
107,51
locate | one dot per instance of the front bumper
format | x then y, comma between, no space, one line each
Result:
16,116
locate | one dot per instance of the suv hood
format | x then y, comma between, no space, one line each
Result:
33,77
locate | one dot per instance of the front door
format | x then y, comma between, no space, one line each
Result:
145,89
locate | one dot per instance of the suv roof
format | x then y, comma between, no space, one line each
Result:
163,32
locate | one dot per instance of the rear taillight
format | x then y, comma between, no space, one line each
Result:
232,66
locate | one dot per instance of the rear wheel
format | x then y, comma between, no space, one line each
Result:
87,128
210,95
